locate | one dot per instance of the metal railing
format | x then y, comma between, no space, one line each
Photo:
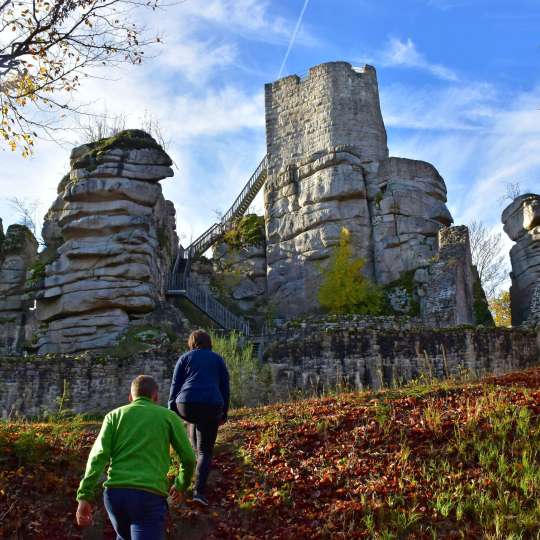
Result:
179,282
201,297
237,209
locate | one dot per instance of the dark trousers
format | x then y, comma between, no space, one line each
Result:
136,514
203,422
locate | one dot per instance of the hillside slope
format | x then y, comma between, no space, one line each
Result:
443,460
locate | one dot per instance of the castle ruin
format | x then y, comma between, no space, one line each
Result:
112,255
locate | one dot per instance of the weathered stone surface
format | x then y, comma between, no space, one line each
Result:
521,221
241,274
449,291
18,251
112,240
329,168
368,354
313,358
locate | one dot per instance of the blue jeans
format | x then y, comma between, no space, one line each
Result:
136,514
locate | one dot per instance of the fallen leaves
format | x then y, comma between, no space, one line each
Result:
451,461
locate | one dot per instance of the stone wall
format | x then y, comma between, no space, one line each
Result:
111,242
357,351
361,354
18,251
31,386
448,299
521,221
329,168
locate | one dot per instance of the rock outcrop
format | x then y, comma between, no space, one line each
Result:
239,266
111,241
521,221
18,252
329,168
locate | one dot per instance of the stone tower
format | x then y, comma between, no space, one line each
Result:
329,168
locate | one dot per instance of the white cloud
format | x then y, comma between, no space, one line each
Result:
400,53
452,107
479,141
254,19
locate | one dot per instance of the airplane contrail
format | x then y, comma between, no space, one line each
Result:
293,38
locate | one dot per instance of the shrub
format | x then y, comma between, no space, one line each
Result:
250,379
344,289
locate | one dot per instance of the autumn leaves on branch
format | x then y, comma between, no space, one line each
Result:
48,47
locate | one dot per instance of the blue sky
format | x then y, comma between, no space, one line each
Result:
459,83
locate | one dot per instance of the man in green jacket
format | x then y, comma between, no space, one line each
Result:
135,442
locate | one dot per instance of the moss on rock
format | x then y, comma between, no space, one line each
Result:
246,231
87,156
404,283
16,237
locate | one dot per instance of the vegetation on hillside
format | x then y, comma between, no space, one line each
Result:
344,289
442,460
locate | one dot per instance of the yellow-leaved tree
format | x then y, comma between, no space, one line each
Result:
344,288
500,309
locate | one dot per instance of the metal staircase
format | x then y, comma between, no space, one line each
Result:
181,285
201,297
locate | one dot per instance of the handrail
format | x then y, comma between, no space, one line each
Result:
200,296
179,281
238,208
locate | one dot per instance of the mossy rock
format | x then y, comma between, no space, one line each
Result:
245,232
87,156
406,283
144,338
16,238
63,183
36,275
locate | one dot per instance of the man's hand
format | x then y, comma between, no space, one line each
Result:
177,497
84,514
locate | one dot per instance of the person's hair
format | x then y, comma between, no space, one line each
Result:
199,339
143,386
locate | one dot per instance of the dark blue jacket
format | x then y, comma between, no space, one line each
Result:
200,376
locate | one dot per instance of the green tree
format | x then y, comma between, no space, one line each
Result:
344,288
500,309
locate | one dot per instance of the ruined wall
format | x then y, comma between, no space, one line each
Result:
111,241
521,221
88,383
448,298
368,353
357,352
18,251
329,168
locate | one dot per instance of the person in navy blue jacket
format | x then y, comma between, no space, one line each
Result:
200,395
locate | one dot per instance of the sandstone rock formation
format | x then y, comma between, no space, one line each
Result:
329,168
111,241
240,265
521,221
18,251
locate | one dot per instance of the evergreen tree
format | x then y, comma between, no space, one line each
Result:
344,288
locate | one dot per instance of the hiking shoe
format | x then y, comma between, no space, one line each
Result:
200,499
